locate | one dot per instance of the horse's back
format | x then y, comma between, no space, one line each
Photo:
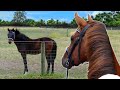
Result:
109,76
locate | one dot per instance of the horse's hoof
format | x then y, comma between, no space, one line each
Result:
25,73
47,72
52,72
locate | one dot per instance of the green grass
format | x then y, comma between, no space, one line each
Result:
39,76
11,63
114,37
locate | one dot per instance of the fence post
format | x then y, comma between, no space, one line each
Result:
67,32
42,58
111,28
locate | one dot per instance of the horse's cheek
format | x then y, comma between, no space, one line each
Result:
75,58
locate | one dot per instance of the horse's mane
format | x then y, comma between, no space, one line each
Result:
99,51
22,36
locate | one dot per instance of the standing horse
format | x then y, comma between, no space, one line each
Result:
25,46
90,43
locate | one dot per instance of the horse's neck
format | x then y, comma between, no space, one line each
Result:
100,55
102,66
117,67
99,68
22,37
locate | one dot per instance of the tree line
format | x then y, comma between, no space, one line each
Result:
111,18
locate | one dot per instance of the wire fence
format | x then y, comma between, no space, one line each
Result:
43,50
113,28
11,60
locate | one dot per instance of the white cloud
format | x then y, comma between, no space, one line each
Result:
30,17
64,19
94,13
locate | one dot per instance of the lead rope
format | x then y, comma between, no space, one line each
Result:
67,70
67,73
67,64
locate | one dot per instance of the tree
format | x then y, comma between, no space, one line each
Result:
105,17
64,24
29,22
73,23
57,22
51,22
40,23
19,16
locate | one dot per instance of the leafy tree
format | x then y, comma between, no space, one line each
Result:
105,17
51,22
29,22
73,23
57,22
19,16
65,24
41,22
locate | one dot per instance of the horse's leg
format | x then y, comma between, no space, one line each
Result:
25,62
48,67
52,66
51,60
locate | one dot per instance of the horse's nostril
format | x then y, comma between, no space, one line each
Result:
64,62
9,42
67,63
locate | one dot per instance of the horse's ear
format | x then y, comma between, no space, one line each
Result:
80,21
13,30
90,19
17,31
8,29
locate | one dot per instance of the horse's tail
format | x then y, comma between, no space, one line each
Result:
54,50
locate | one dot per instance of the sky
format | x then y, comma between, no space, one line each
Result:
46,15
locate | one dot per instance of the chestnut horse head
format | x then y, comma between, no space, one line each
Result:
90,43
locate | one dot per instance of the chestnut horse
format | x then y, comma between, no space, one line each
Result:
26,45
90,43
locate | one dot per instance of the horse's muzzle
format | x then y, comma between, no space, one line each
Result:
10,40
66,64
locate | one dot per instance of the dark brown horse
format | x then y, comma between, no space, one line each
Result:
90,43
26,45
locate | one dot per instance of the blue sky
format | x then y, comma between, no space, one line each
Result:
46,15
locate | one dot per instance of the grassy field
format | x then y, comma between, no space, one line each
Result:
11,64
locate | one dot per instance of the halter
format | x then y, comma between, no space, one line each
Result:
12,38
78,41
